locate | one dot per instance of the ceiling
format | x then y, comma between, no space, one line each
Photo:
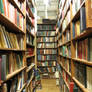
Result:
47,11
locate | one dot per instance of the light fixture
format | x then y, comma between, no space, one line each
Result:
46,2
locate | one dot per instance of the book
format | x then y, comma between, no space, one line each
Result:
82,19
73,31
71,87
75,89
89,78
1,7
3,67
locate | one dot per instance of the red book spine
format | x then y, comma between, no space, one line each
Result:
71,87
16,16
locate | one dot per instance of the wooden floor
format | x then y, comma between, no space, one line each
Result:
49,85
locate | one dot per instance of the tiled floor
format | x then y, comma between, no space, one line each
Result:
49,85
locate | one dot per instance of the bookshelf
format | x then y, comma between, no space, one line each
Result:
12,45
46,49
17,45
74,45
30,44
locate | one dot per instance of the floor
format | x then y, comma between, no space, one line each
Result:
49,85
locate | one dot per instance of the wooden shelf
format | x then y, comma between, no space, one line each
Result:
60,36
48,54
29,20
46,66
9,76
31,2
22,88
47,23
46,36
30,11
65,56
66,43
86,62
66,83
80,85
10,49
64,4
46,60
29,56
65,69
47,42
83,35
47,72
30,67
46,30
46,48
78,12
16,6
67,27
10,25
30,33
28,44
30,80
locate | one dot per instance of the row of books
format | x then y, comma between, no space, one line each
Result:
60,42
76,6
47,70
30,51
20,5
60,34
80,25
67,4
11,12
83,75
30,28
80,73
70,86
67,36
66,21
31,7
46,33
29,39
84,48
47,45
66,77
48,57
46,27
7,39
46,51
67,64
46,39
65,51
61,4
14,85
63,85
47,63
10,63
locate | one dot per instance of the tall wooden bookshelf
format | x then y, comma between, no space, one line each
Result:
74,45
46,49
17,45
12,45
30,45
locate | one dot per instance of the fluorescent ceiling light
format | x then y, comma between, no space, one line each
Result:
46,2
